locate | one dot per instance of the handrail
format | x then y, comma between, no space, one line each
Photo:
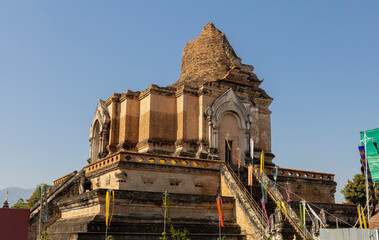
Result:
247,193
290,213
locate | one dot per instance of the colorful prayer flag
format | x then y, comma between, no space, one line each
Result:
166,198
276,175
285,210
251,148
263,194
106,208
288,191
262,161
366,169
226,138
359,215
220,208
368,138
108,216
264,208
363,217
250,175
301,213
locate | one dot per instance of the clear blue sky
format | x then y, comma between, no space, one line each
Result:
319,60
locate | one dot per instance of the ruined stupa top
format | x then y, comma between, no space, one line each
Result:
207,58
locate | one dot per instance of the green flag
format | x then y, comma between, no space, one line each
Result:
372,155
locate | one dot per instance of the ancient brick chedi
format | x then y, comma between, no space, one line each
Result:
215,95
186,139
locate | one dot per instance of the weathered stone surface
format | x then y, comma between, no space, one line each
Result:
207,58
140,213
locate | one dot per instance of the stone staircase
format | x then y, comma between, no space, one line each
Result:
291,226
249,215
64,189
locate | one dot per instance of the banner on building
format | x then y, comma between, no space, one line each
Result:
372,136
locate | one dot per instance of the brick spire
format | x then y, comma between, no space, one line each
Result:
206,58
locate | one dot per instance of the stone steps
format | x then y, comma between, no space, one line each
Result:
288,230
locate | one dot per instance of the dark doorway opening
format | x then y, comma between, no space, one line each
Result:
228,152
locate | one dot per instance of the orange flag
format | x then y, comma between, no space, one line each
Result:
220,210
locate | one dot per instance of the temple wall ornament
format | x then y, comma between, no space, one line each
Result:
99,132
227,103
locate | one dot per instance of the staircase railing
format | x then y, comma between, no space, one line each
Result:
277,196
252,204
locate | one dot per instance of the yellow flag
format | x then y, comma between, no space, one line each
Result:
280,212
359,216
106,208
284,208
228,143
112,208
262,161
363,217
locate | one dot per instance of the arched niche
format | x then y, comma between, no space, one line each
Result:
228,105
99,132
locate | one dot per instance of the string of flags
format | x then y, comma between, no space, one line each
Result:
282,209
43,203
166,198
264,187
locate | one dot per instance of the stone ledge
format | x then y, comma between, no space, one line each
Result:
144,196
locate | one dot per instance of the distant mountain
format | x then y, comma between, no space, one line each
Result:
14,194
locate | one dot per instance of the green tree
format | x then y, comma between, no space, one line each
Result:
355,190
36,195
21,204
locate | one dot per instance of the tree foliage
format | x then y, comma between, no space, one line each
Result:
355,190
21,204
175,234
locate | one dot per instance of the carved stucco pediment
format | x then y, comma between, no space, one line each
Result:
101,115
229,102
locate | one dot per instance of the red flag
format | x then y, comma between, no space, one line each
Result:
220,210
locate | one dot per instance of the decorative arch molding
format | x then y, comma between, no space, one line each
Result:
228,103
99,132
